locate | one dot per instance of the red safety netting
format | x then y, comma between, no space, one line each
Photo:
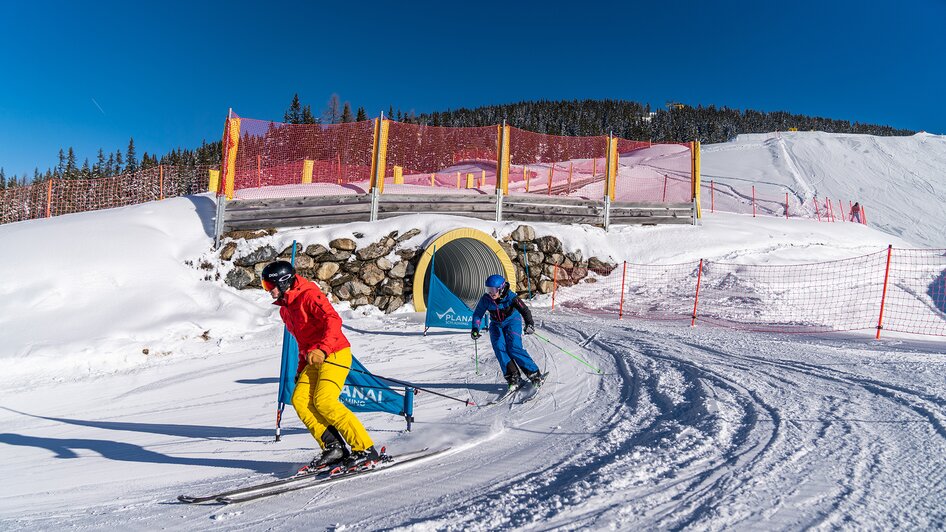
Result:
773,200
832,296
842,295
660,173
916,292
271,154
441,157
55,197
556,165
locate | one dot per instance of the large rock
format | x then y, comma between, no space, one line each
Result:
352,266
554,258
343,244
601,267
394,303
316,250
574,256
263,254
288,251
303,262
407,236
523,233
371,274
239,278
510,250
408,254
376,250
326,270
534,259
352,290
359,301
384,264
392,287
249,235
228,250
340,279
549,244
399,270
338,256
577,274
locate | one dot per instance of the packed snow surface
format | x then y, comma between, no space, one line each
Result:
131,374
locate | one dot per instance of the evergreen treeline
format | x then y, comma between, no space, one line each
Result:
626,119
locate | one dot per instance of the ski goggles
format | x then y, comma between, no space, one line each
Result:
493,290
267,285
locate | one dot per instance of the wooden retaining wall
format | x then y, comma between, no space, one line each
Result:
327,210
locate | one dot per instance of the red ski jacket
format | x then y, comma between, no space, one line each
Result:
311,319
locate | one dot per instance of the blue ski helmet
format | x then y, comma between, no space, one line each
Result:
495,281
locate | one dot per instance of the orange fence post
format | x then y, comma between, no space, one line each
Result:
161,181
551,170
841,210
817,211
554,284
883,298
525,170
696,299
753,201
712,195
49,197
623,278
786,205
338,161
571,166
664,198
863,215
259,171
594,166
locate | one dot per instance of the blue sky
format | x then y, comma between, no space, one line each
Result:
93,74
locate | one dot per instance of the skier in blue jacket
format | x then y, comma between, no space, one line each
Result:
506,313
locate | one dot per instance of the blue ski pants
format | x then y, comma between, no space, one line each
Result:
506,338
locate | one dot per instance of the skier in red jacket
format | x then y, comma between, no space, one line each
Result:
324,361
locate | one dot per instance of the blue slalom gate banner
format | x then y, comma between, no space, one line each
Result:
362,392
445,309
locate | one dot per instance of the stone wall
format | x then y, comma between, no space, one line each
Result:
382,273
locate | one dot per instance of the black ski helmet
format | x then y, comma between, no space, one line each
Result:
280,274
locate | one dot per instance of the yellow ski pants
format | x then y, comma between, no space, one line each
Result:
316,401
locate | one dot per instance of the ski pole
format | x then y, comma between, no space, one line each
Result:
562,349
467,402
476,356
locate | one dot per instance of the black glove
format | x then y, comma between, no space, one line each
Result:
475,334
529,330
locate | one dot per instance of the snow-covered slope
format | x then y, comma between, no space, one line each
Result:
900,180
686,428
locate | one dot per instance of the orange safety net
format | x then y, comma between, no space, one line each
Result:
316,159
774,200
555,165
659,173
831,296
441,157
54,197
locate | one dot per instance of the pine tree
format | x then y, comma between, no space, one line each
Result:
109,169
3,179
72,170
361,116
307,116
98,170
86,171
131,160
60,168
294,112
346,114
119,162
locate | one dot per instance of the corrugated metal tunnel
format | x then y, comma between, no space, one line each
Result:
465,258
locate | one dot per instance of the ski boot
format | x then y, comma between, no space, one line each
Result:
361,460
333,454
536,379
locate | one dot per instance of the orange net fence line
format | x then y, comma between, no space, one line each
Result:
54,197
315,159
772,200
658,173
853,294
440,157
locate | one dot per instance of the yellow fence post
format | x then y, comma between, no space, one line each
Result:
525,173
398,175
551,172
214,181
571,167
233,144
695,175
379,157
433,181
610,167
483,180
307,166
458,179
469,180
49,197
506,158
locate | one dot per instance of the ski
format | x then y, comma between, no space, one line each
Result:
383,466
299,477
533,390
505,396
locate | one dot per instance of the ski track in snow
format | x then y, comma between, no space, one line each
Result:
703,429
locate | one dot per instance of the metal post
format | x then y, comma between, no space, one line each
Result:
374,204
218,220
499,204
607,211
